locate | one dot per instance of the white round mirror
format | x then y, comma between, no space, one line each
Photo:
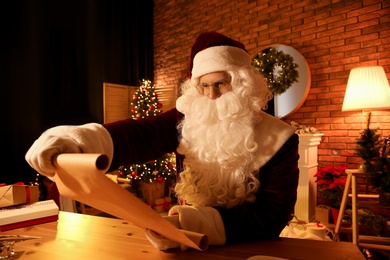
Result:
291,99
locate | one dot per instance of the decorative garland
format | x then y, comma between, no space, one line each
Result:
278,69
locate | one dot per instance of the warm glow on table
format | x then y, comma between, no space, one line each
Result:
77,236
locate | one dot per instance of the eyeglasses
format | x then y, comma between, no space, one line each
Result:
219,86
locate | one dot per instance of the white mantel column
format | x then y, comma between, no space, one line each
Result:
307,187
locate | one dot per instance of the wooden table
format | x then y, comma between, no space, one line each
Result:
78,236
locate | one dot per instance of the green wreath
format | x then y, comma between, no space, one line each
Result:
278,69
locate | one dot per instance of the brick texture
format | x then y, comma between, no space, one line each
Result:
334,37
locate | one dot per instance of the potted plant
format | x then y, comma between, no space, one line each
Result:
368,147
376,160
370,222
331,182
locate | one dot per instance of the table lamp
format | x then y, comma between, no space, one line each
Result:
367,89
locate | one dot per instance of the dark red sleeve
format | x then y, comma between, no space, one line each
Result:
138,141
275,200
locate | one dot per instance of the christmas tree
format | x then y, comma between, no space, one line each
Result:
381,176
145,103
368,147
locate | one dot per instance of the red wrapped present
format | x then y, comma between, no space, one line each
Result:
162,204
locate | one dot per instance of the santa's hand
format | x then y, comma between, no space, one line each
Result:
88,138
203,220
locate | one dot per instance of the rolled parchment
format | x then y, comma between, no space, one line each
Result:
82,177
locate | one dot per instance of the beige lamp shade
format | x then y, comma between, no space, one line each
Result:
367,89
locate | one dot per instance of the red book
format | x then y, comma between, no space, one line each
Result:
28,214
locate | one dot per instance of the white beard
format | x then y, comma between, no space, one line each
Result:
219,148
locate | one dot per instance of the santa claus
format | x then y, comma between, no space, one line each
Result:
238,166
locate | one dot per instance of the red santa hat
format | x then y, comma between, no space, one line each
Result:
214,52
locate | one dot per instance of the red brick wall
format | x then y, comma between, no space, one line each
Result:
334,37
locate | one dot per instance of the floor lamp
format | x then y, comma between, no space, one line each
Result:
367,89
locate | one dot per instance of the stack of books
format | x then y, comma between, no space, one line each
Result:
28,214
19,207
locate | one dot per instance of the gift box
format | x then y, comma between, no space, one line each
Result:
151,190
11,195
323,214
28,214
162,204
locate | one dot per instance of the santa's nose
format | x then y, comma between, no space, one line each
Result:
214,93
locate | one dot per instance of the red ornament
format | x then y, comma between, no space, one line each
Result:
151,107
135,97
122,174
159,105
170,166
133,110
160,179
134,174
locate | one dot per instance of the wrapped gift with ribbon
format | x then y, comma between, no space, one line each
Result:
18,194
162,204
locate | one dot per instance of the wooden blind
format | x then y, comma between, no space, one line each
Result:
117,101
167,95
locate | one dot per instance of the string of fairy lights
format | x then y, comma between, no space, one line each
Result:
158,170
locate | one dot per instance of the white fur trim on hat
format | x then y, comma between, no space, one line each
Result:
219,58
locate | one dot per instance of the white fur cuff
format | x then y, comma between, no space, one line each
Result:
219,58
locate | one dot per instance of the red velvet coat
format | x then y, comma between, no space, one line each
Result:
138,141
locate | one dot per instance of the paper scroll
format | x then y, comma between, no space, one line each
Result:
81,177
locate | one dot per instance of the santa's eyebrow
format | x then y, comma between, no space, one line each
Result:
222,79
